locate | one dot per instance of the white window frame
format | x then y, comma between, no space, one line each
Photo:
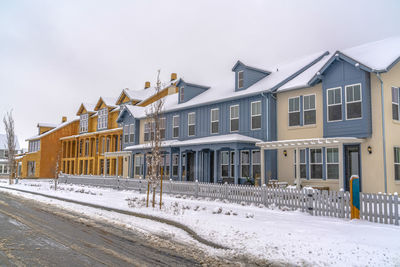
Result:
316,163
304,163
102,119
211,120
352,102
254,164
126,134
328,105
173,125
331,163
84,123
141,165
232,164
241,163
192,124
147,130
297,111
131,133
255,115
175,164
240,79
230,118
310,109
182,94
395,163
226,152
162,126
398,103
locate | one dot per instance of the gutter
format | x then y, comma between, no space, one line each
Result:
383,130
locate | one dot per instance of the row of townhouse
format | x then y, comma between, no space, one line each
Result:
315,121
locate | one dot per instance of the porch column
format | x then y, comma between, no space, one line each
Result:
341,164
236,166
262,159
105,165
196,166
297,168
215,166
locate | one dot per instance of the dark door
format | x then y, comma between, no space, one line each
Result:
211,166
190,167
352,164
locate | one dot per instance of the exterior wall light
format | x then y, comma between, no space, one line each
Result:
369,149
285,153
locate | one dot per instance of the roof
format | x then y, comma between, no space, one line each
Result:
141,94
37,137
3,142
238,63
218,139
378,56
49,125
109,101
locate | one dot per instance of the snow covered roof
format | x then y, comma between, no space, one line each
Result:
303,79
3,142
378,56
89,106
49,125
141,94
109,101
37,137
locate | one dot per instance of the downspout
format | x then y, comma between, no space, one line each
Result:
383,131
262,153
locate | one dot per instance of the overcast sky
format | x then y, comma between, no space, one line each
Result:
56,54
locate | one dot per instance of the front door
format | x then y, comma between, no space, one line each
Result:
352,164
190,166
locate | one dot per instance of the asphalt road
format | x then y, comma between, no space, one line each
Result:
33,234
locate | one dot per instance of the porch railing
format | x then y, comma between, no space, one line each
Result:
379,208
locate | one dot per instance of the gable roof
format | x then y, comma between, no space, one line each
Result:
238,63
39,136
108,101
135,111
89,107
47,125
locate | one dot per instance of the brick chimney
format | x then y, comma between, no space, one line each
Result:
64,119
173,76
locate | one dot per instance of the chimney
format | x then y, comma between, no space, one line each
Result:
64,119
173,76
146,85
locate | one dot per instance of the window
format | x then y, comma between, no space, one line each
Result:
183,165
232,164
303,164
332,163
234,116
353,102
256,163
102,120
108,145
175,126
31,168
138,166
224,163
84,122
175,164
245,164
86,148
395,103
162,128
126,134
294,111
147,131
334,106
152,130
240,79
214,120
33,147
80,147
397,163
256,115
103,145
316,163
181,94
97,146
167,165
309,109
191,124
132,133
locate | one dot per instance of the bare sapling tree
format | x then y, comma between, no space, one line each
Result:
154,160
11,144
57,166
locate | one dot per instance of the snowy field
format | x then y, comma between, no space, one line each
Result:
265,233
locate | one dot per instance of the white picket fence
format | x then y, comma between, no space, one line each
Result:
379,208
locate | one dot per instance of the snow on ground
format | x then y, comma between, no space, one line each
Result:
256,231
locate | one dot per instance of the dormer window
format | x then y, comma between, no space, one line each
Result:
102,120
181,94
84,123
240,79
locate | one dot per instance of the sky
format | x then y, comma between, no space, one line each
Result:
55,55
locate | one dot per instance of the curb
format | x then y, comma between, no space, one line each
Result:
188,230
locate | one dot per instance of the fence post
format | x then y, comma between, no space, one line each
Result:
264,193
196,193
226,190
396,208
341,203
310,202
